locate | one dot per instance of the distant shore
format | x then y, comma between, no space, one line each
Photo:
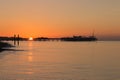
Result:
4,46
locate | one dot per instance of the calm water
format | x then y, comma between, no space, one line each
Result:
62,61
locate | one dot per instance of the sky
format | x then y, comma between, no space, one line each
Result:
59,18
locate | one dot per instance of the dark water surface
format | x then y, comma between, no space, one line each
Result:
62,61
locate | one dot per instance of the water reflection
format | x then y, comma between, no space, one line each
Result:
30,44
61,61
30,57
29,63
30,54
29,72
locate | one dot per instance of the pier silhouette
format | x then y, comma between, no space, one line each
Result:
16,38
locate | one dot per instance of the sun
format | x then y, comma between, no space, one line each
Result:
30,38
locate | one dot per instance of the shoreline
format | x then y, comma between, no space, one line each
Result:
4,46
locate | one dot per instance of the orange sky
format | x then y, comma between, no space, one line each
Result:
56,18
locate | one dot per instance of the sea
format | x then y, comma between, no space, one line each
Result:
57,60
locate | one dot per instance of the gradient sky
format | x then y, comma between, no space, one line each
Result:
56,18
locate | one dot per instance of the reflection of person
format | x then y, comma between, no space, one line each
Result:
16,39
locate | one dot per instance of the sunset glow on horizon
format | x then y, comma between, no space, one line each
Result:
30,38
59,18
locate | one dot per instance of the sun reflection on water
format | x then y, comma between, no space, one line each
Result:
30,54
30,57
30,44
